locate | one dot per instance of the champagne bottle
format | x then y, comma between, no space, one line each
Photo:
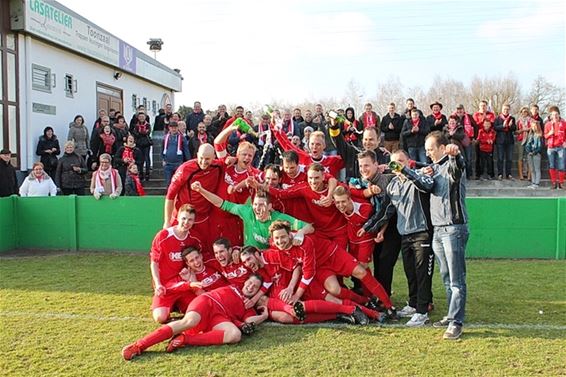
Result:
395,166
268,110
338,119
244,127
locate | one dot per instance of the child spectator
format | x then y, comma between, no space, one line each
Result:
133,185
127,154
486,139
523,128
533,149
38,183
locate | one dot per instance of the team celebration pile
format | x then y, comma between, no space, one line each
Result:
279,223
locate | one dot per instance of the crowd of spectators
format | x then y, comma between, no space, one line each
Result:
488,140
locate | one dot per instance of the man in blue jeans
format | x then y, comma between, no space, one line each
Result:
175,151
450,220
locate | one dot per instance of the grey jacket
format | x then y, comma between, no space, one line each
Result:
448,194
410,199
79,134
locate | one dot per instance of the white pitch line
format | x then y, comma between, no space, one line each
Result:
89,317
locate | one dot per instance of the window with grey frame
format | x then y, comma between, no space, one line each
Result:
70,85
41,78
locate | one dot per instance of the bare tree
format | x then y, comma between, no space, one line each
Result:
449,92
496,90
389,91
546,94
354,96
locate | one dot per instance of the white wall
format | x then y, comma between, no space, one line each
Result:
87,73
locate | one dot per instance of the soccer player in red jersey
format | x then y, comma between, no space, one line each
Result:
213,318
330,261
210,173
283,273
201,271
317,144
170,290
357,214
233,271
328,222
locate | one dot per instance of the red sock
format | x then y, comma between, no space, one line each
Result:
210,338
163,333
553,175
276,305
327,307
561,175
316,318
377,289
370,313
347,294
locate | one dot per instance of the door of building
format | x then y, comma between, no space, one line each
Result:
108,97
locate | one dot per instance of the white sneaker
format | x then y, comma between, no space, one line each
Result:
406,312
417,320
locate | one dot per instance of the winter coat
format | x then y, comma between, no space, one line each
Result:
49,160
34,187
457,137
65,176
8,180
505,134
79,134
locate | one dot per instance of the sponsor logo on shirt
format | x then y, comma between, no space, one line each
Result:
259,238
175,256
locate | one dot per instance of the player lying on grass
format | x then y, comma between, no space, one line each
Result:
282,275
213,318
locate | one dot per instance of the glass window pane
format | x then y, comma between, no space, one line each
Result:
12,141
11,41
11,77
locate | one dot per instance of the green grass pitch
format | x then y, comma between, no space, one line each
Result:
70,315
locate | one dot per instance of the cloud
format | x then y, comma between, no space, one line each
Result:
544,18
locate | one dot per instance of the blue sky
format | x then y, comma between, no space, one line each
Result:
255,51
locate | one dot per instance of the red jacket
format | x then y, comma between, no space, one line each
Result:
486,140
479,118
558,138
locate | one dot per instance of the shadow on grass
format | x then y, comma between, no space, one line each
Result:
478,333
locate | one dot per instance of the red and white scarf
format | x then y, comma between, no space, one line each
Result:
416,122
128,153
179,143
369,120
202,138
143,128
100,176
108,141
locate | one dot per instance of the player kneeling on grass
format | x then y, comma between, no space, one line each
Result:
213,318
170,290
322,264
281,274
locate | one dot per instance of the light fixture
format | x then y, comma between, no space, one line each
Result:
155,45
117,75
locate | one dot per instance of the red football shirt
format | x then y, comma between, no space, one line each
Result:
166,251
186,174
210,277
235,273
356,220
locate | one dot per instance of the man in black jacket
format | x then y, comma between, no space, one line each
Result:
8,181
391,126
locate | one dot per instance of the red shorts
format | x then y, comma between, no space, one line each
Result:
315,291
340,264
363,252
173,301
210,314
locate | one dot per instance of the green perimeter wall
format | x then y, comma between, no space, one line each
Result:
499,227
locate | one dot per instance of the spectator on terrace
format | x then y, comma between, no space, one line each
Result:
436,121
523,128
471,129
141,131
38,183
391,126
126,155
133,185
555,135
105,180
533,149
414,131
8,180
48,148
78,133
175,151
505,127
70,171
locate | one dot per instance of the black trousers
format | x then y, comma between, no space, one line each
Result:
487,163
418,262
385,256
